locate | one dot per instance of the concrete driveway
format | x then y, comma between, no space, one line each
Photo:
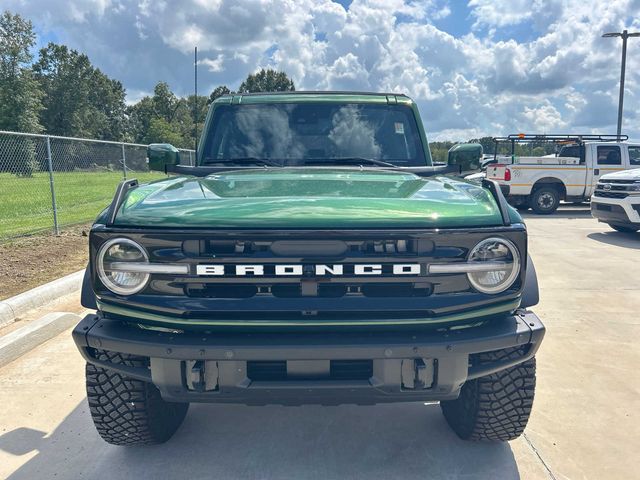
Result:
584,425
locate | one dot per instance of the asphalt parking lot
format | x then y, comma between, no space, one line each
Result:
585,423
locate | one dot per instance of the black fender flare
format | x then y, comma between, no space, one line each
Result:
87,296
530,292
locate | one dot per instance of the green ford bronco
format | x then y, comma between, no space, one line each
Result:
313,255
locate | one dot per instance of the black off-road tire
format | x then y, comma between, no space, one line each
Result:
127,411
623,229
495,407
544,200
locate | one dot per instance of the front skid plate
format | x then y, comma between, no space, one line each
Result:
173,355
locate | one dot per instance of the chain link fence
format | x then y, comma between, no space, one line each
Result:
47,182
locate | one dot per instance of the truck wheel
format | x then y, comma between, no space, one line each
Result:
545,200
622,229
495,407
127,411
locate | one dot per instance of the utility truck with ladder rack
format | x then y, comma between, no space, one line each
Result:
541,182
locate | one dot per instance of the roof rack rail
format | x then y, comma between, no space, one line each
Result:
573,137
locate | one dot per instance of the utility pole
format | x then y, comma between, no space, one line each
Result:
195,98
624,34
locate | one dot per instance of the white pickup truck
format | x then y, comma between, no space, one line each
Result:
542,182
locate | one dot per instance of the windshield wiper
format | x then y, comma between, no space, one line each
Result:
348,161
241,161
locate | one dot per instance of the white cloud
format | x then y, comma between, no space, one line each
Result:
544,118
520,66
213,65
134,96
500,13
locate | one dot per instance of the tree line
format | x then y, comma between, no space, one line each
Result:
439,150
60,92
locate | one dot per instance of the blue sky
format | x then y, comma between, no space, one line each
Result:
476,67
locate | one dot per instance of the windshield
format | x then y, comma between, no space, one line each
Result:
302,133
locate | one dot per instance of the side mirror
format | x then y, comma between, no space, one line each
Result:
466,156
162,155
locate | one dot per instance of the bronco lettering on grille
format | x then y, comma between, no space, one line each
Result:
298,270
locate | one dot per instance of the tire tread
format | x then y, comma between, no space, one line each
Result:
495,407
126,411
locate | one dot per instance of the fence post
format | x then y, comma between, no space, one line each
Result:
56,228
190,160
124,162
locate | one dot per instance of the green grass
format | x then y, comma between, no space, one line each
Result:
25,203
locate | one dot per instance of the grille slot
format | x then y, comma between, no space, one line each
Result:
267,370
207,248
294,290
351,369
618,181
396,290
603,194
274,371
223,291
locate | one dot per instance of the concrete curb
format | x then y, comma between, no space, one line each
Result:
20,341
13,307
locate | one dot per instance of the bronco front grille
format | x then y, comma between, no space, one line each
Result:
349,250
218,291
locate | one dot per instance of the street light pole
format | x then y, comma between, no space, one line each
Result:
625,35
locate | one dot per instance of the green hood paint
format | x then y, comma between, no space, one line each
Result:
326,197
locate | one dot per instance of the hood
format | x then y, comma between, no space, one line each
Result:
633,174
309,198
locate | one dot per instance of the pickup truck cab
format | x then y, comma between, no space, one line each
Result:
616,200
540,183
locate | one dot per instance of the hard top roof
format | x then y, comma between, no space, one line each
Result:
314,96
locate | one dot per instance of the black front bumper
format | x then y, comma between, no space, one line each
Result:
239,368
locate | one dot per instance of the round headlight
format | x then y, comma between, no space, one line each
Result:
113,258
498,265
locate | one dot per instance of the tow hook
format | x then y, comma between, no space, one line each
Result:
417,373
202,375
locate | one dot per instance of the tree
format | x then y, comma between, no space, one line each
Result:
440,151
165,102
218,92
139,117
161,131
185,117
488,145
20,95
177,114
79,99
267,81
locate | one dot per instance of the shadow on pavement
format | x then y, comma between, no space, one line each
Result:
619,239
22,441
216,441
564,211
